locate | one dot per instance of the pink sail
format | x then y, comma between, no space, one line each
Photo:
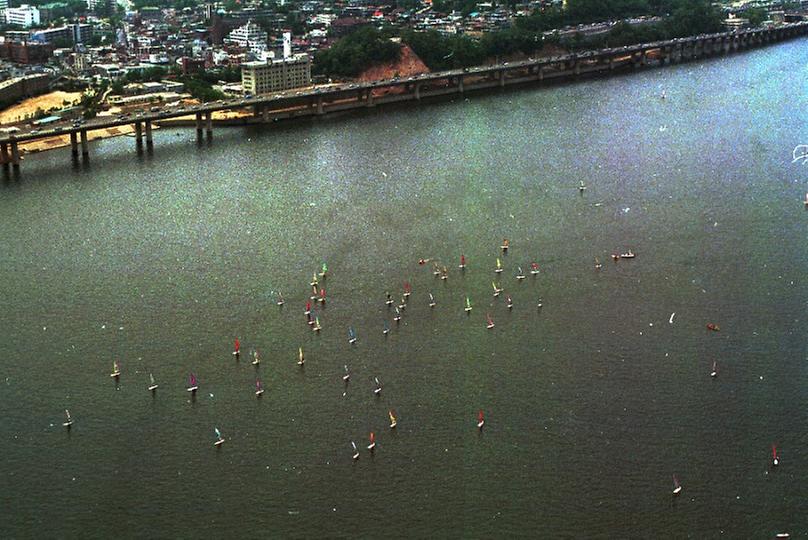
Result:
192,380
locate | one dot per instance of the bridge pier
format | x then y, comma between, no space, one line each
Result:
369,98
418,91
209,124
149,140
85,149
4,155
74,144
139,135
15,155
501,76
199,125
265,114
320,104
460,83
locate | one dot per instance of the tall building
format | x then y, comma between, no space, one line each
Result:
276,75
250,36
24,16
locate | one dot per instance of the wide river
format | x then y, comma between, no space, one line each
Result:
592,403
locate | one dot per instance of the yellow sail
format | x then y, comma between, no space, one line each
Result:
499,263
300,353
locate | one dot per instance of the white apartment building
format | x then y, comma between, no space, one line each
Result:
24,16
276,75
250,36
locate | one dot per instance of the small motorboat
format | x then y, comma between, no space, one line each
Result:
627,255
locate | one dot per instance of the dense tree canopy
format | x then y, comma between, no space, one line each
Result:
356,52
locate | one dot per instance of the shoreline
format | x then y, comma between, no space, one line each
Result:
443,86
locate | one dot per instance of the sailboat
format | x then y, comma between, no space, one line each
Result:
386,329
351,335
714,372
581,186
534,268
403,303
462,265
775,457
314,281
480,420
435,269
444,273
389,300
498,269
356,451
393,422
237,349
322,296
316,327
192,386
520,275
490,324
509,301
407,289
219,438
308,308
372,444
397,316
280,299
347,375
378,389
116,370
806,200
540,304
497,290
259,388
68,420
468,305
256,359
677,487
597,264
505,244
324,271
431,300
300,359
153,385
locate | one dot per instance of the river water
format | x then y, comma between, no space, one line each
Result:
592,402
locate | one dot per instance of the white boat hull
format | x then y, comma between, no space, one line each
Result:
192,389
152,388
219,442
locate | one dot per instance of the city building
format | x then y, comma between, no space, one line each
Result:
250,36
276,75
95,5
73,33
24,16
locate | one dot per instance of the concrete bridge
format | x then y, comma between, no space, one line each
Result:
345,97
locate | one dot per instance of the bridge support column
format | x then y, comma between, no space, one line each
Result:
319,104
209,124
611,63
501,75
370,98
418,91
85,149
74,144
642,58
15,155
576,67
139,135
198,125
4,154
265,114
460,83
149,140
541,73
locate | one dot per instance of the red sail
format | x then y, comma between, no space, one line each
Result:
774,452
372,437
480,416
238,345
463,260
